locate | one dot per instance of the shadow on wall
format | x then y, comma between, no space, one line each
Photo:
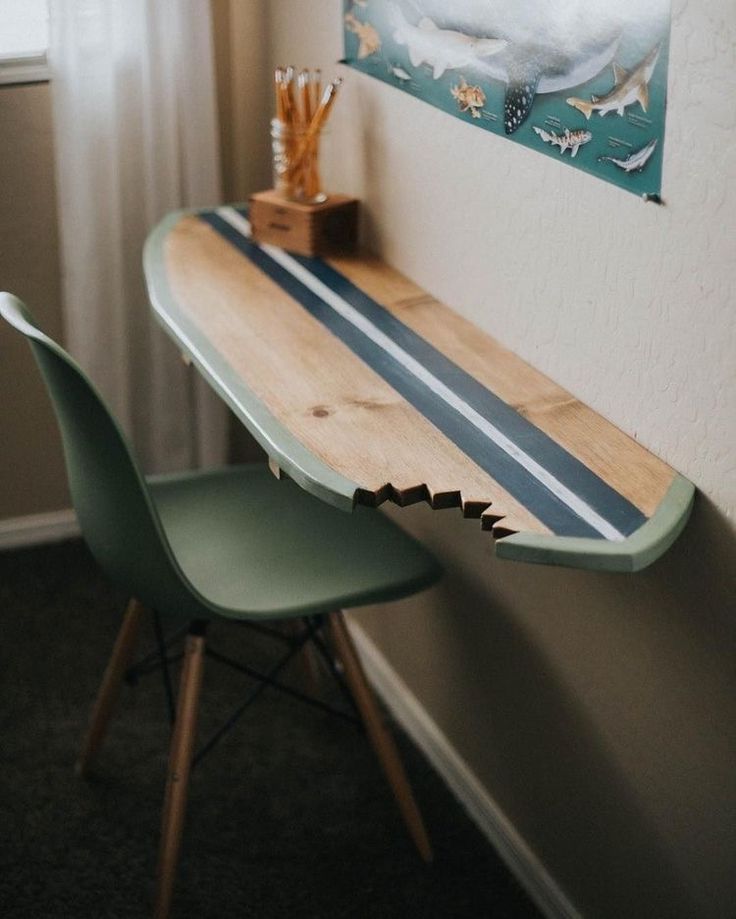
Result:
598,710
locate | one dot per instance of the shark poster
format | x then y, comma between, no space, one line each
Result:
584,81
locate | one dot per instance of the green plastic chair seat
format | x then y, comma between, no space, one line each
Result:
256,547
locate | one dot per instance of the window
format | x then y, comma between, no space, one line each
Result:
24,40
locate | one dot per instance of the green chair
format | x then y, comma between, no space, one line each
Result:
232,543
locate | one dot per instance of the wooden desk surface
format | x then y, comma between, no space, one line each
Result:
363,388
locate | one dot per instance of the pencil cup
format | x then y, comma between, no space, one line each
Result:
295,152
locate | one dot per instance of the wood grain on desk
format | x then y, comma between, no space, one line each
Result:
337,406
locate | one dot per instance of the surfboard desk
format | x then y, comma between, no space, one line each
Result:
363,388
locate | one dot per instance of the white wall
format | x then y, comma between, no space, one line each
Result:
599,711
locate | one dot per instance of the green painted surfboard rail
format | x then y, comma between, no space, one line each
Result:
634,553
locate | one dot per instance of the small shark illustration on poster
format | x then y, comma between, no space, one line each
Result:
535,71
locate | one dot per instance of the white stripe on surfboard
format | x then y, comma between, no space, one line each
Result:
357,319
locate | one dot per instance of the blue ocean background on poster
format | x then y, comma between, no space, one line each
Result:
583,82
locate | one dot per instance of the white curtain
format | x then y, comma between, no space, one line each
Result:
136,137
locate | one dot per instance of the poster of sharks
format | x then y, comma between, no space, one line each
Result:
584,81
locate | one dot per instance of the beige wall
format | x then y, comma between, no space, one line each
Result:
240,28
599,711
31,474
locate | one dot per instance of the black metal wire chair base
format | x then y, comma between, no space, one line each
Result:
164,655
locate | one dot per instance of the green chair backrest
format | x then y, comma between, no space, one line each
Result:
116,515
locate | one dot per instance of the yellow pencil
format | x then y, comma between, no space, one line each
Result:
278,78
306,97
289,83
317,88
318,120
325,106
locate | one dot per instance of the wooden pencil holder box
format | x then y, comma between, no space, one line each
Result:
329,228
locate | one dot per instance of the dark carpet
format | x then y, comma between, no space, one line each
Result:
288,817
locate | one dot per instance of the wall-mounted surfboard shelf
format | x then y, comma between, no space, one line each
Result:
363,388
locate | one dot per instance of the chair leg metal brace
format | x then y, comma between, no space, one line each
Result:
382,741
180,761
111,681
163,660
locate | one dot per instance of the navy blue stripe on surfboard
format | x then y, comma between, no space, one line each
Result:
520,483
567,469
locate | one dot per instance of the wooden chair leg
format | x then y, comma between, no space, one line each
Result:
110,687
180,761
379,735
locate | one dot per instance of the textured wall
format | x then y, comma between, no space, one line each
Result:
599,711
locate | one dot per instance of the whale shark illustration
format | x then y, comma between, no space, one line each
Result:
550,45
442,49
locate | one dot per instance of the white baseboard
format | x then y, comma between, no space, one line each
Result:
36,529
458,776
